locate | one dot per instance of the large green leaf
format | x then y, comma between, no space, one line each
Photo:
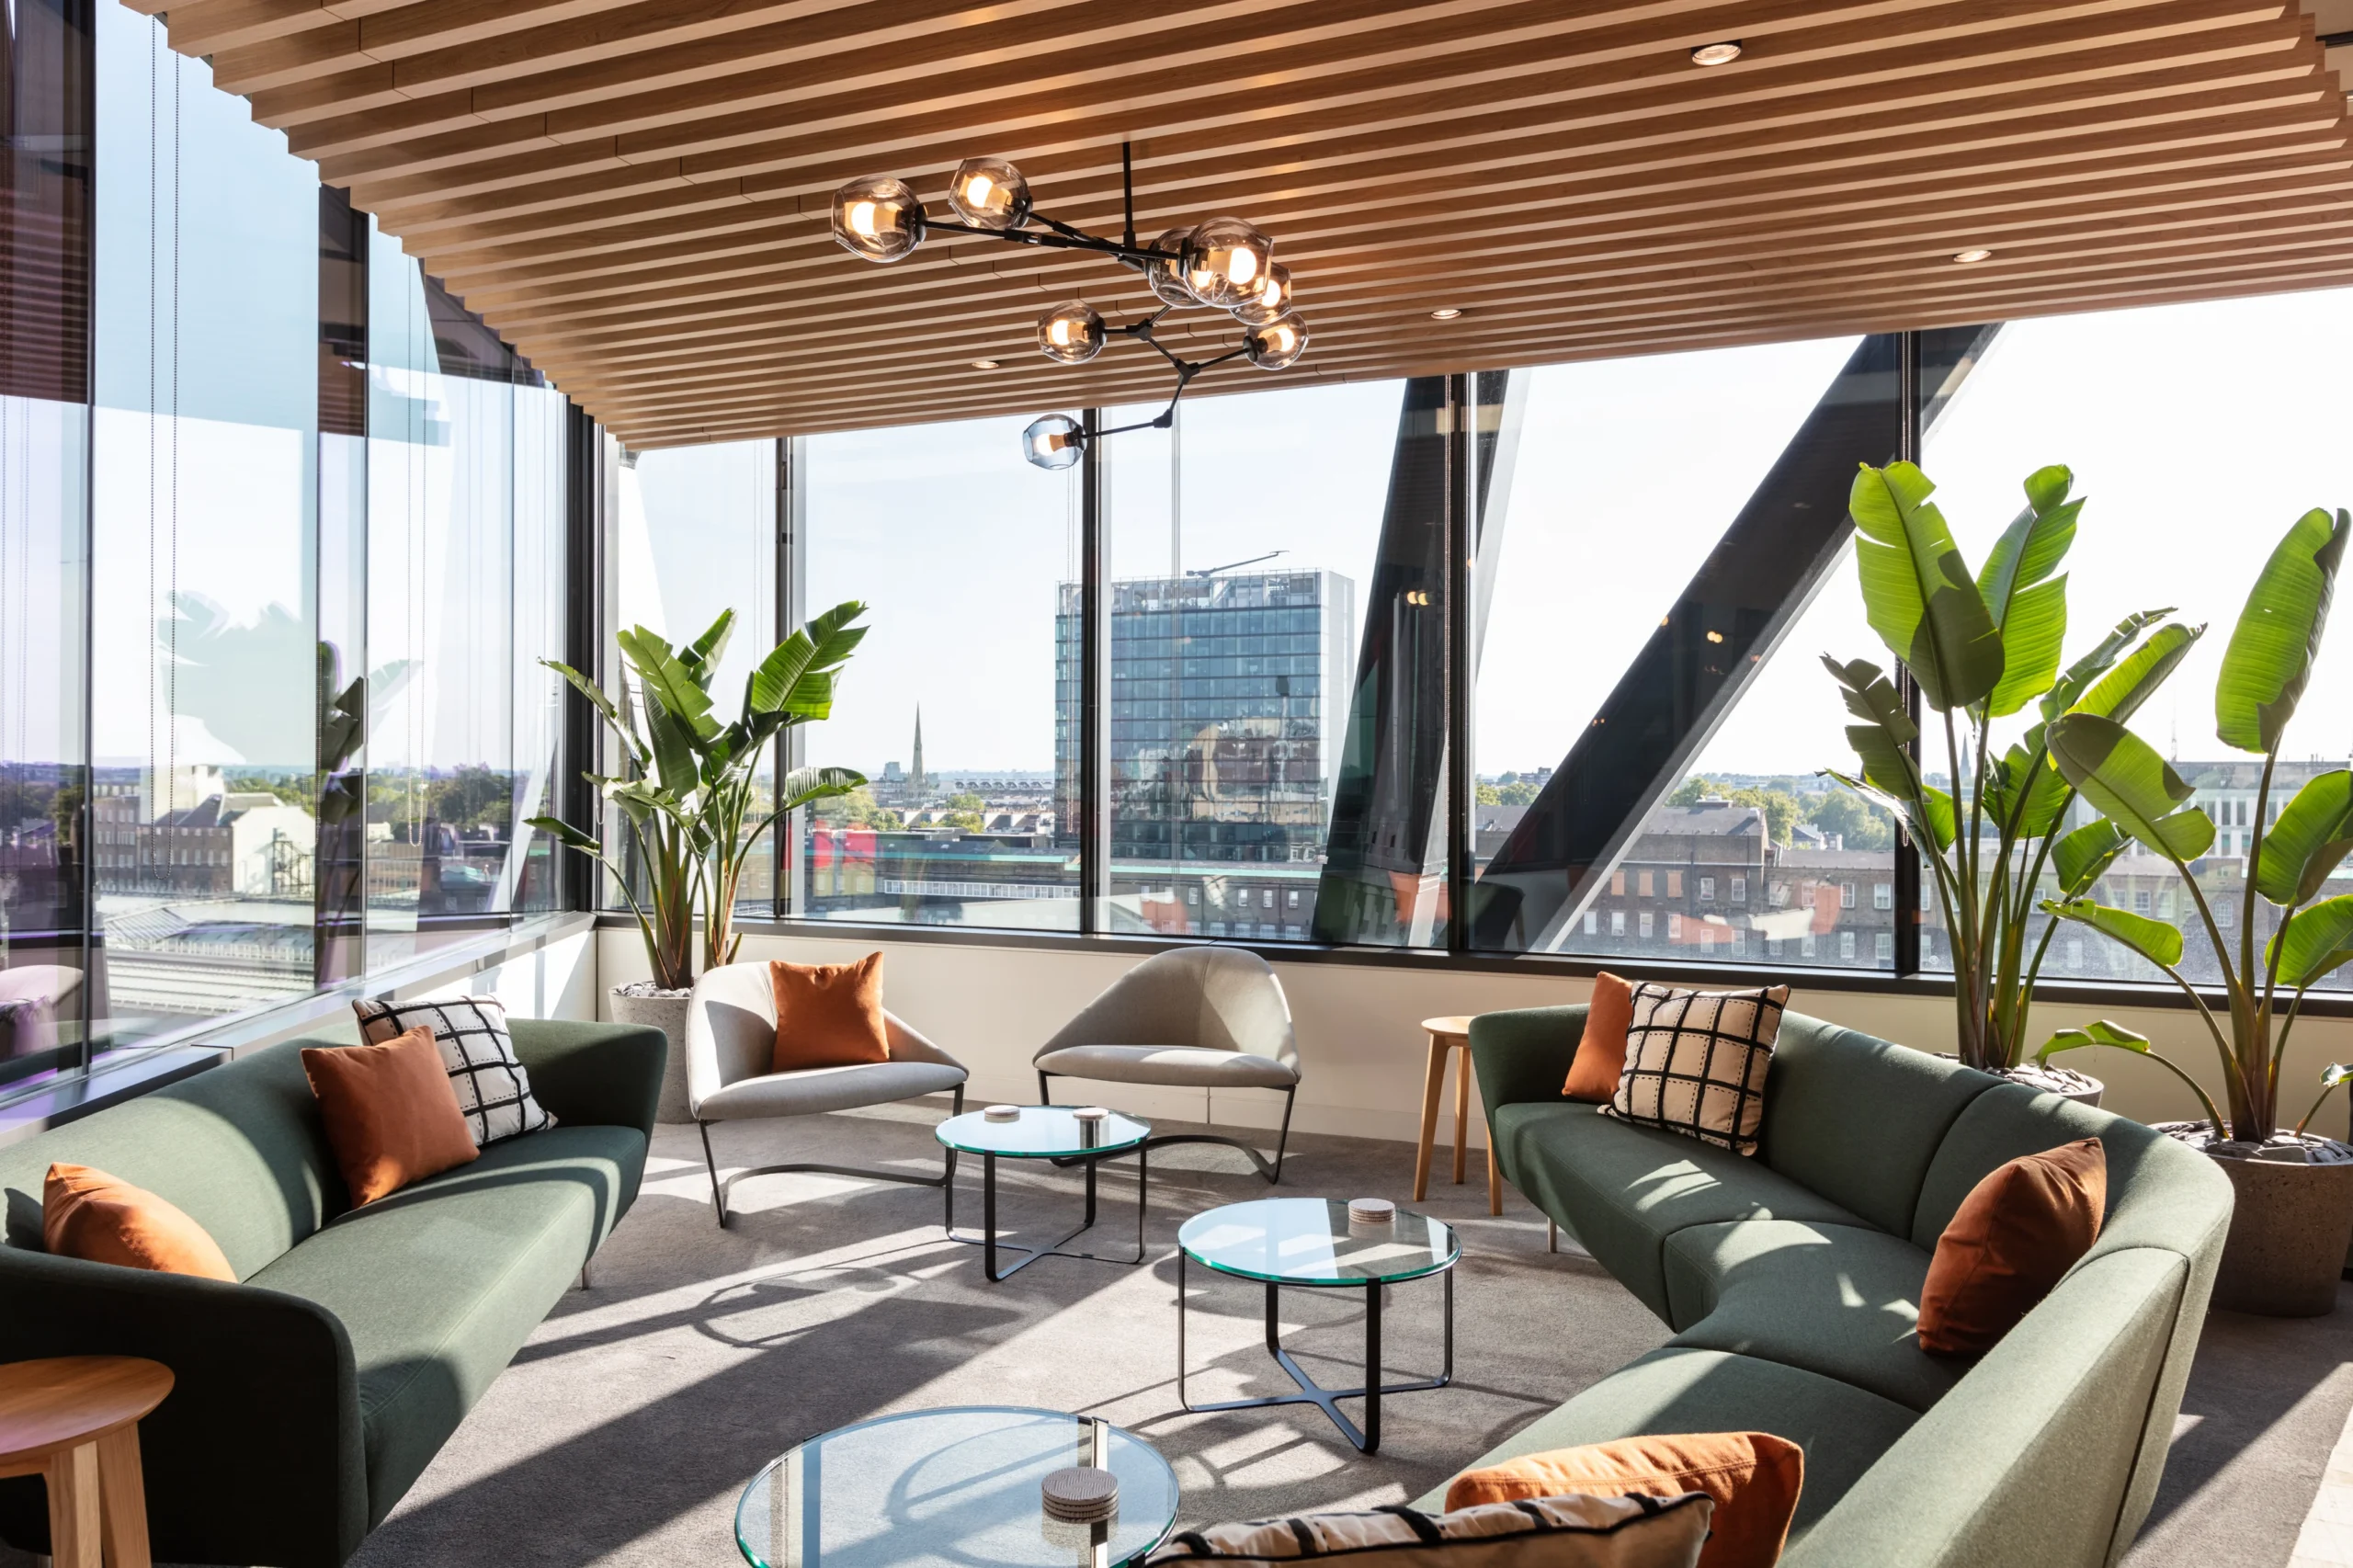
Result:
803,785
2152,939
2130,784
2023,595
1918,590
672,741
1882,743
2092,665
2080,857
2278,636
2046,792
2319,940
701,656
606,708
667,681
2118,694
2309,841
2100,1031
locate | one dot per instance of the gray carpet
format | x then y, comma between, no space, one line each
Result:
625,1429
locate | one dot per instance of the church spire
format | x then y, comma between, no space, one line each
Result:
915,781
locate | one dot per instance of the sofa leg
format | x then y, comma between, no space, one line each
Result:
1551,1235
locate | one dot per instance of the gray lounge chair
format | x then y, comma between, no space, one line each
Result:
730,1040
1195,1018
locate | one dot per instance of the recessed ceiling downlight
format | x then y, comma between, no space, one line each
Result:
1974,254
1722,53
985,364
1445,312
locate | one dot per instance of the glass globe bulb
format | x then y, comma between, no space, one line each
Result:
1072,333
878,216
1053,441
989,193
1166,278
1224,260
1278,344
1270,300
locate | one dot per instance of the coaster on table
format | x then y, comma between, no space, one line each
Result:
1081,1495
1092,1113
1371,1211
1002,1113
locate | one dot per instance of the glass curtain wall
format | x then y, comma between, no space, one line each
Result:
282,536
962,551
44,472
2198,434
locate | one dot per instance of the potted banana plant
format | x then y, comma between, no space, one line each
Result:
2289,1230
1986,648
688,803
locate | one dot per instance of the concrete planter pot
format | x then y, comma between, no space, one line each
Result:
641,1003
2067,1084
2292,1224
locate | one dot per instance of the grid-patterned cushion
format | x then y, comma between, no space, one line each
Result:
1557,1532
493,1091
1695,1061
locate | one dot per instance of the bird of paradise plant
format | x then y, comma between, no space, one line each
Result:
2289,861
1982,649
688,798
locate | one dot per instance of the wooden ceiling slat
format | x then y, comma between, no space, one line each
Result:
635,192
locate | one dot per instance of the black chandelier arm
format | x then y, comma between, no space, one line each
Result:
1186,372
1058,236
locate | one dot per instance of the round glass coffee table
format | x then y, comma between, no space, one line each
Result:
1041,1132
1311,1241
954,1488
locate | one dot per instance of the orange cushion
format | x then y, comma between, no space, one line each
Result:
1753,1477
1601,1054
2011,1239
828,1014
88,1214
390,1113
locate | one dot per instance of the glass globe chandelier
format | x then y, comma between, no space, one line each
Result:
1221,263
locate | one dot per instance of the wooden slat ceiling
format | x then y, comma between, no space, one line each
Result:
636,193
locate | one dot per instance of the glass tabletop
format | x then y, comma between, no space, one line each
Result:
953,1488
1043,1131
1312,1241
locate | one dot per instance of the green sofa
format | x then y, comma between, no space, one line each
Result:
310,1395
1792,1279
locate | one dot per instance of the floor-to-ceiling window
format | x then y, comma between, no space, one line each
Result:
44,475
698,537
2195,433
204,619
1243,544
282,538
962,550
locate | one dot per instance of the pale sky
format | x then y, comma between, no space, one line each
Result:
2198,432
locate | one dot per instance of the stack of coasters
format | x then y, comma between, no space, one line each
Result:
1080,1496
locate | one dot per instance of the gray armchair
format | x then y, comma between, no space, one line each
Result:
1195,1018
730,1040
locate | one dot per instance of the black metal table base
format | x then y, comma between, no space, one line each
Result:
987,1240
1367,1438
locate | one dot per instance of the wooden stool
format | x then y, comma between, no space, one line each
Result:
74,1420
1446,1035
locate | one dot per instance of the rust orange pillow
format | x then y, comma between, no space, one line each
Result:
88,1214
828,1014
1753,1477
392,1116
1601,1054
2011,1239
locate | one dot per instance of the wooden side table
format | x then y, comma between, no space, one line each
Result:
74,1421
1448,1035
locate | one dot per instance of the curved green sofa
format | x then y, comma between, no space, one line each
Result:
310,1395
1792,1278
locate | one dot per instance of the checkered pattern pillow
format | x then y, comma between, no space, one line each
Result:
493,1091
1558,1532
1695,1061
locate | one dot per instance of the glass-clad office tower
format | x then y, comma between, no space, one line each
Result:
1224,719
